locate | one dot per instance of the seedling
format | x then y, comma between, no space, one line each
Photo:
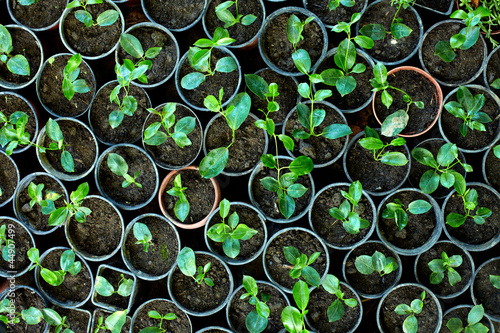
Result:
119,167
223,13
142,235
154,137
336,310
256,321
36,194
181,208
294,29
231,233
16,64
301,265
105,19
441,172
351,220
474,317
293,317
468,109
71,83
7,244
410,325
489,23
446,264
334,4
366,265
56,278
396,210
235,114
114,322
187,264
158,329
495,281
469,198
104,288
200,57
372,142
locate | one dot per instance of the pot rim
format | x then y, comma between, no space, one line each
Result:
329,26
18,178
460,306
110,307
143,6
474,300
139,308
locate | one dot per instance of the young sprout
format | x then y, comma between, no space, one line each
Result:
474,317
396,210
143,235
351,220
114,322
469,198
257,320
56,278
372,142
410,324
104,288
7,245
334,4
71,83
223,13
182,207
366,265
187,264
495,281
119,167
200,57
301,265
16,64
294,28
158,329
231,233
106,18
293,318
446,264
336,310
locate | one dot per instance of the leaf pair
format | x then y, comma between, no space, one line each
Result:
119,167
336,310
186,261
17,64
223,13
396,210
71,83
378,262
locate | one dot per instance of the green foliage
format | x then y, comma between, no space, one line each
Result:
158,328
372,142
186,261
223,13
56,278
495,84
469,198
7,245
181,208
294,29
104,19
396,210
334,4
351,220
257,320
495,281
377,262
445,264
119,167
104,288
71,83
16,64
336,310
410,324
54,133
114,322
293,317
33,316
474,317
142,235
301,265
496,151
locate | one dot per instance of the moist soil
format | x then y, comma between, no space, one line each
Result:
438,5
200,193
162,251
444,288
8,178
130,130
181,324
169,154
201,297
320,149
493,70
33,215
98,313
331,229
375,176
241,33
176,14
466,63
319,302
132,195
100,234
75,288
51,94
474,139
251,219
392,322
420,89
95,40
279,268
12,103
462,314
287,99
419,228
332,17
212,83
245,152
24,299
114,278
25,44
374,283
391,49
278,48
80,144
41,14
492,170
470,232
268,201
77,321
240,308
164,63
418,169
22,242
484,292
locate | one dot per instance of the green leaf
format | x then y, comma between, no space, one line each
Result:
53,278
257,85
311,276
395,123
268,161
116,320
374,31
424,157
371,143
248,19
152,52
401,218
331,76
286,206
67,161
296,190
453,277
231,247
242,104
447,179
455,325
410,325
31,316
345,85
447,154
429,181
103,287
215,161
117,164
455,220
335,311
186,261
300,294
53,130
107,18
302,60
226,65
51,317
116,118
399,30
364,264
292,319
364,42
444,51
419,207
293,32
58,216
181,208
192,80
495,281
302,165
84,17
131,45
19,65
394,159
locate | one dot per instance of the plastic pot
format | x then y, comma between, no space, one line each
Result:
14,293
20,249
32,11
214,329
489,77
447,12
489,323
15,177
173,308
95,319
486,296
87,313
112,307
174,29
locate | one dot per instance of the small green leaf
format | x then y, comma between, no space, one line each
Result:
107,18
131,45
215,161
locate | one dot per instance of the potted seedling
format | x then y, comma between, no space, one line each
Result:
474,318
160,315
293,318
114,289
16,63
15,240
410,324
114,322
20,299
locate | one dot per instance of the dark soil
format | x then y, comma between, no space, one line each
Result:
470,232
100,234
50,89
95,40
132,195
332,17
474,139
202,297
279,49
23,43
268,201
245,152
130,130
34,215
279,268
392,322
484,292
240,308
22,242
374,283
492,169
105,314
75,288
444,288
331,229
174,15
9,178
241,33
80,144
181,324
24,299
212,84
164,63
463,67
391,49
114,278
493,70
11,103
41,14
438,5
249,247
200,193
462,314
420,89
77,321
319,302
162,251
